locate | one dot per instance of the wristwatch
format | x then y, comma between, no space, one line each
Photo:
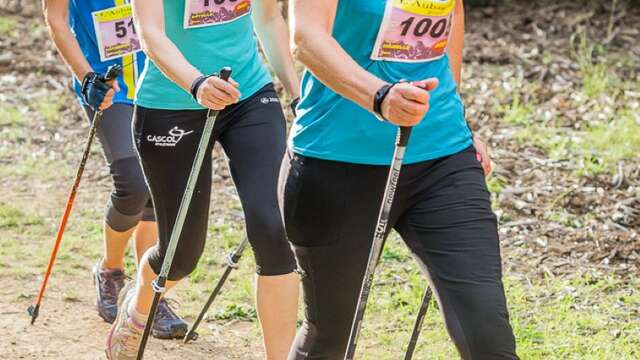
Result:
378,99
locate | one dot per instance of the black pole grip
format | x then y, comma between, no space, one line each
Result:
225,73
403,138
112,72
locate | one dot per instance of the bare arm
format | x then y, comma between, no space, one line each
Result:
149,20
56,14
405,105
325,58
214,93
456,44
274,36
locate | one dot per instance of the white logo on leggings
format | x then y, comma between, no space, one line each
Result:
175,135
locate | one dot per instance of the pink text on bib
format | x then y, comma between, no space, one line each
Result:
200,13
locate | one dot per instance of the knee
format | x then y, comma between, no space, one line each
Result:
131,193
273,254
184,263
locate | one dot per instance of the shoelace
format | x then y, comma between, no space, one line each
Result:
164,311
111,285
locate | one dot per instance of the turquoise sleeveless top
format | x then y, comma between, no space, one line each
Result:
208,48
332,127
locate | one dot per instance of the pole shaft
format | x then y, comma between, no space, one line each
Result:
417,327
378,239
181,216
67,211
232,260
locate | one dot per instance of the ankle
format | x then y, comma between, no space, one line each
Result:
111,265
137,315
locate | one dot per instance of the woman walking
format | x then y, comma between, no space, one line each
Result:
374,65
86,36
186,41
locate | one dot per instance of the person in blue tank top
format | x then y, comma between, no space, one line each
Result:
186,42
374,65
91,36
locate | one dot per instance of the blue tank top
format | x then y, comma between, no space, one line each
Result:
208,47
82,25
332,127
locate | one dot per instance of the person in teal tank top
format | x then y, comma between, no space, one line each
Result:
201,47
91,36
186,42
372,66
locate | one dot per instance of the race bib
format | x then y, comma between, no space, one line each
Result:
200,13
414,30
115,32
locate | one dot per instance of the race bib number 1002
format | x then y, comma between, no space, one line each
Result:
200,13
414,30
115,32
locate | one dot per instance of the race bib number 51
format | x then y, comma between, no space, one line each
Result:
414,30
115,32
199,13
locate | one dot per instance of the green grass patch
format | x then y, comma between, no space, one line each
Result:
50,110
236,312
612,141
597,78
14,218
517,112
10,116
8,26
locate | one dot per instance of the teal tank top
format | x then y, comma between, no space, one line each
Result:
394,40
208,47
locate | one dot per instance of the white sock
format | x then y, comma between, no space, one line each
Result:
135,315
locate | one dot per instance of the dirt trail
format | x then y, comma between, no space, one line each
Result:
70,329
554,223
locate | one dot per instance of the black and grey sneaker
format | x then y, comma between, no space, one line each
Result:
108,284
167,324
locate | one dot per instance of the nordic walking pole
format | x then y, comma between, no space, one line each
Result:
417,327
232,263
160,282
34,310
378,238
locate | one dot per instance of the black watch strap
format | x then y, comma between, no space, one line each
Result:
378,99
195,85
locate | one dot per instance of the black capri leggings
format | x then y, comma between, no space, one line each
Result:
252,133
130,201
442,211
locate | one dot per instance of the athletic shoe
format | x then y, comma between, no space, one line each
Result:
108,284
125,334
167,324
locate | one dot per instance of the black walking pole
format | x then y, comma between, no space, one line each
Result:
417,327
378,238
160,282
232,263
112,73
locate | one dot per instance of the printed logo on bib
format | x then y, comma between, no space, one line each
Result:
200,13
115,32
414,30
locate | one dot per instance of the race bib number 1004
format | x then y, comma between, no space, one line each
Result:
115,32
200,13
414,30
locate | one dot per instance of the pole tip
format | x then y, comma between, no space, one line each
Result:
33,311
192,335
